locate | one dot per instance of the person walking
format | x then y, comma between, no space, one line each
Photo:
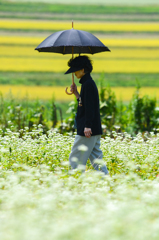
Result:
88,116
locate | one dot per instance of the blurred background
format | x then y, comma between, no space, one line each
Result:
130,29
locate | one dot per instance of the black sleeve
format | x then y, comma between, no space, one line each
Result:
89,104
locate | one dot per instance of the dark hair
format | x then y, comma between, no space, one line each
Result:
81,62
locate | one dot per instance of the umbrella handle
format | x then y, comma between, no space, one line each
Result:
72,84
72,73
68,92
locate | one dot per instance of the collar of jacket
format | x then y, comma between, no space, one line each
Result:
84,78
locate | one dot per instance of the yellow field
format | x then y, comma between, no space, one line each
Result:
60,65
128,55
46,93
86,26
36,92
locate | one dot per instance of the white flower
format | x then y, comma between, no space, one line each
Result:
74,159
109,117
99,162
65,163
116,127
83,148
4,150
81,167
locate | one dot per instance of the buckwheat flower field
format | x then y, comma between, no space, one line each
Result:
41,198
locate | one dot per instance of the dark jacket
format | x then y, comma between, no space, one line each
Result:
88,114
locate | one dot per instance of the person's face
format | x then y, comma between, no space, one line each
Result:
79,73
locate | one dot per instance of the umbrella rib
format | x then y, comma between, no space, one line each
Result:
60,32
87,38
79,36
90,50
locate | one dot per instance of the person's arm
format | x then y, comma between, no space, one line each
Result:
74,90
89,110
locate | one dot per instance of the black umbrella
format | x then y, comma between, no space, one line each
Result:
70,42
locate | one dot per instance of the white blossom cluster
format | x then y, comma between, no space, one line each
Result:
41,198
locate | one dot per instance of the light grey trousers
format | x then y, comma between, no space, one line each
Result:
93,152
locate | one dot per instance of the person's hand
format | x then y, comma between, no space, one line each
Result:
87,132
73,89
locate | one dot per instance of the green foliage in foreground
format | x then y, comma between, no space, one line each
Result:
33,7
140,115
27,113
17,114
41,198
59,79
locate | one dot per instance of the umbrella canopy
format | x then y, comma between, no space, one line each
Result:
70,42
63,41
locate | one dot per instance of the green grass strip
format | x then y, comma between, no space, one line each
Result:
59,79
